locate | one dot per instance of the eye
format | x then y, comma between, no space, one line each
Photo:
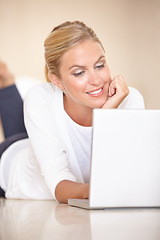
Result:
98,66
78,74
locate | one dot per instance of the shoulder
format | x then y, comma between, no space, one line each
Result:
40,88
42,104
42,93
24,83
134,92
134,100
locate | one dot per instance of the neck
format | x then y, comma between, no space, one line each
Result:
80,114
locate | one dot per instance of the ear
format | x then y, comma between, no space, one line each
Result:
55,80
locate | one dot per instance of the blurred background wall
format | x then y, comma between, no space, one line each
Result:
128,29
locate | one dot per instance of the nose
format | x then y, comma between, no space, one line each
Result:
94,79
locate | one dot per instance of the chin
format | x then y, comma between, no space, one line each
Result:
101,103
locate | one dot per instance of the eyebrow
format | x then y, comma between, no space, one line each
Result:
81,66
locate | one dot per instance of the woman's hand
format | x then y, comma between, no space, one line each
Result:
67,189
118,90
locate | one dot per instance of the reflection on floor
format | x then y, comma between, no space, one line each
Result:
45,220
27,220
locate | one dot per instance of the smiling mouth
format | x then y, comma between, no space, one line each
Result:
96,92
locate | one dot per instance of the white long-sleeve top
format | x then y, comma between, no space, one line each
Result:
50,154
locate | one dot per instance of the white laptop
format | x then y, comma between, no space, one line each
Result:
125,166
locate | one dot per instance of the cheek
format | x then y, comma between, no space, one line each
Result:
75,86
106,77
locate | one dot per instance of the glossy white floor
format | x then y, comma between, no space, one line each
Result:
45,220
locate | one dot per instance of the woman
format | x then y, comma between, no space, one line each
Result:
54,163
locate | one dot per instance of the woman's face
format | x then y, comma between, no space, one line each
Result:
85,76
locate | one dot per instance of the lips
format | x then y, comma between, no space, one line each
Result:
96,92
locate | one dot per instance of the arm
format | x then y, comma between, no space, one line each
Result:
118,91
68,189
46,137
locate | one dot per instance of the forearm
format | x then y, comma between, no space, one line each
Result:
68,189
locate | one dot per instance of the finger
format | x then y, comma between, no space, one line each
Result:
118,87
124,84
112,88
115,82
119,80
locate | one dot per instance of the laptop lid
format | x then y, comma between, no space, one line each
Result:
125,168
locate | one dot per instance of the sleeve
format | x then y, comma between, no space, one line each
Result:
134,100
24,83
49,149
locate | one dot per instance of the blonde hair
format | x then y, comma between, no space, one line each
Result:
62,38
